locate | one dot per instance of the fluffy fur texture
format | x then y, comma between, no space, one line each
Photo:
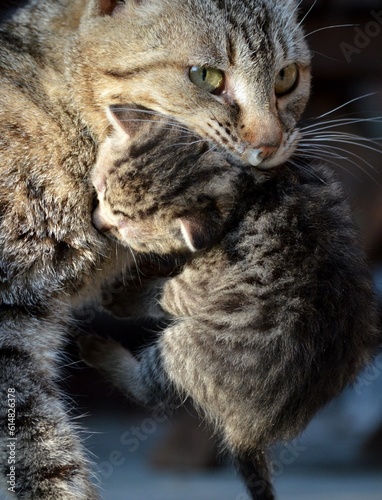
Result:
269,322
50,259
62,64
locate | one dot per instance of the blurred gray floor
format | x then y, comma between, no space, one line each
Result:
328,462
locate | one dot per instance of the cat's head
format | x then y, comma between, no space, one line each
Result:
160,189
235,72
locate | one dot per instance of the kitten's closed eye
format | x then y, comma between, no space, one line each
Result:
183,234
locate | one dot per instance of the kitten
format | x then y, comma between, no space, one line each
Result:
272,313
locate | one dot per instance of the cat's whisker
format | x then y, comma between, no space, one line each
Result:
295,10
170,147
212,148
138,271
170,121
294,163
188,143
326,157
328,160
137,110
340,122
328,154
305,16
329,147
171,125
330,27
318,154
328,135
342,139
351,101
315,52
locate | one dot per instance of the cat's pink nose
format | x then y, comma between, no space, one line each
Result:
255,156
100,222
267,151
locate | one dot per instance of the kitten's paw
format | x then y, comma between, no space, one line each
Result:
114,361
106,355
98,352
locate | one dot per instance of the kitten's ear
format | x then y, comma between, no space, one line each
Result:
106,7
123,7
197,234
124,121
115,7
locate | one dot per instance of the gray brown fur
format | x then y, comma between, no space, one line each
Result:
268,323
62,63
50,256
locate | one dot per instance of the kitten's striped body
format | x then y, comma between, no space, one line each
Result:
268,323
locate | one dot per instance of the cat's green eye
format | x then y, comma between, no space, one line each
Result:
209,79
286,80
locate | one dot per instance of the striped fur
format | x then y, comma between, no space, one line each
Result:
249,41
267,324
62,64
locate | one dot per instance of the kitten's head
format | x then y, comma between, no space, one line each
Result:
235,72
160,189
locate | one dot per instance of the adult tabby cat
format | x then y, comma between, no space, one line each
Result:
267,324
235,72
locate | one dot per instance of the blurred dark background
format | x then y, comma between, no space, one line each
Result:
340,454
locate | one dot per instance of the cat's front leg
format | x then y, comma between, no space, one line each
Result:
41,454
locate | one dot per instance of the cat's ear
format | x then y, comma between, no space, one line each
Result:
197,234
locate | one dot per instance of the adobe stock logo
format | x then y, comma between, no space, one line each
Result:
363,36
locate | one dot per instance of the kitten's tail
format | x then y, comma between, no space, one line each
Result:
255,472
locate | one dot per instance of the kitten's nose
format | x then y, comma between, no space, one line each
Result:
99,222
